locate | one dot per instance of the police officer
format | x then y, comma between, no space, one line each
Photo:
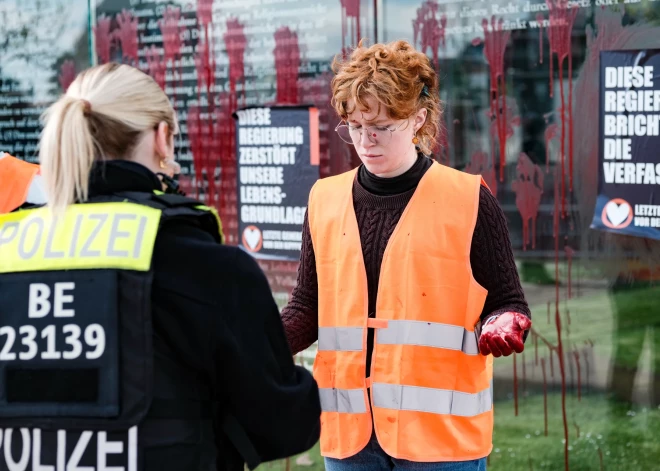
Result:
131,339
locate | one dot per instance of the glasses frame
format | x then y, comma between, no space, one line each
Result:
391,129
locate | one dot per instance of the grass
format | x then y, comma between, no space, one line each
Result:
626,439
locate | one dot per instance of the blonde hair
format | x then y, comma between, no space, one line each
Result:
103,115
399,77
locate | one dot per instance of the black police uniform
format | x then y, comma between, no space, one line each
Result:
173,358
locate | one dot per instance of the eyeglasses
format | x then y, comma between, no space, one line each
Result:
380,135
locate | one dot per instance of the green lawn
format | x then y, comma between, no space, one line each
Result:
627,440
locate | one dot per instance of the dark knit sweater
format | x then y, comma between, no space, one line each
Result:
379,203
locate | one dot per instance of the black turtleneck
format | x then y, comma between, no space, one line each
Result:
396,185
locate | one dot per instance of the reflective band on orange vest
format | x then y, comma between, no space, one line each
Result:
435,401
349,401
346,339
427,334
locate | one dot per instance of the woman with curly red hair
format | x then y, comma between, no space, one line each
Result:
407,280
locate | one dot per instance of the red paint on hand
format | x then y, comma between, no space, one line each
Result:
504,335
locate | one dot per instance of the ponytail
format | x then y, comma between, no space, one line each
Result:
103,115
66,153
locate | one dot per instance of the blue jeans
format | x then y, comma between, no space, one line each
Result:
373,458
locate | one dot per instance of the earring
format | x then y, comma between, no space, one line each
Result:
415,140
162,164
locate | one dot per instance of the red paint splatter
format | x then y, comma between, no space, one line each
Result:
515,384
350,15
479,165
579,377
569,258
171,31
560,30
545,396
429,29
103,39
156,65
127,35
235,45
528,188
551,133
287,64
204,12
539,19
196,147
67,74
496,40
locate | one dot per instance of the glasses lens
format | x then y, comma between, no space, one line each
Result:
379,135
345,134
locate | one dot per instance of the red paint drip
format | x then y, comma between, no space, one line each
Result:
545,396
524,372
560,30
585,355
156,65
569,257
579,377
560,347
287,64
479,165
350,13
235,44
515,384
195,136
552,363
536,349
204,12
528,188
430,30
496,39
103,38
550,134
539,19
67,74
127,35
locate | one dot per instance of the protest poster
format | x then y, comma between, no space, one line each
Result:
629,162
277,154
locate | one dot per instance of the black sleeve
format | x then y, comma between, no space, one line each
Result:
492,261
228,302
276,402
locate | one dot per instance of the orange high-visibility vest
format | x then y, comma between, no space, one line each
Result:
16,175
431,389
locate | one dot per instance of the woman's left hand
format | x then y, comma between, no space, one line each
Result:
504,335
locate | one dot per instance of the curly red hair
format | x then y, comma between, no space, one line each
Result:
398,77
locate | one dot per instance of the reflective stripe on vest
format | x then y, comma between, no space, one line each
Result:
393,396
350,401
429,334
96,235
431,393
